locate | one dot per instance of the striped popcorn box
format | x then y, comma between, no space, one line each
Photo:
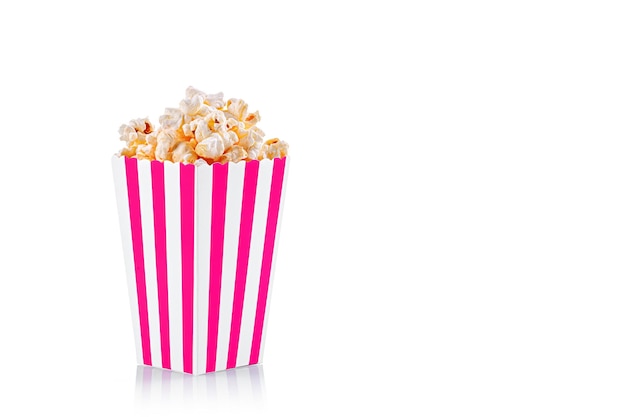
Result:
199,245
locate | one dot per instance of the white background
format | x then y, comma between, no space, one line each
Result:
454,235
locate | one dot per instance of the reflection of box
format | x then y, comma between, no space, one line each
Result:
238,389
198,244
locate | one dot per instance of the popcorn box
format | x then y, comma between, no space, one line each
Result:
199,245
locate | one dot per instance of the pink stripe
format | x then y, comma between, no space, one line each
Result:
268,252
132,183
218,215
245,233
160,248
186,244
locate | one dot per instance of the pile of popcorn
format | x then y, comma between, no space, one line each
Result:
203,129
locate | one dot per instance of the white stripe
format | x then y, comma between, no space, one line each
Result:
204,187
232,223
174,275
269,292
254,263
121,192
149,256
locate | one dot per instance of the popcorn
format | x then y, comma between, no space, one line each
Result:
172,119
183,153
145,152
252,136
187,129
204,129
135,130
211,147
191,106
215,100
201,129
141,125
252,119
230,138
274,148
237,108
166,139
151,139
236,154
254,152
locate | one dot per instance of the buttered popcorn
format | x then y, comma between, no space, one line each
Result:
204,129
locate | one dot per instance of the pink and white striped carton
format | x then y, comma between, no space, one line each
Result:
199,245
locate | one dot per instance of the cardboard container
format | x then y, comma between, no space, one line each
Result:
199,245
